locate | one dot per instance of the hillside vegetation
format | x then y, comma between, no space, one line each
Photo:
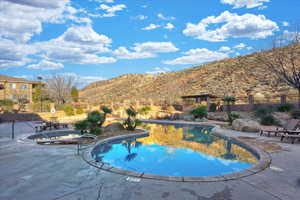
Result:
232,76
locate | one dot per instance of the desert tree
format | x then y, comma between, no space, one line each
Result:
59,87
283,59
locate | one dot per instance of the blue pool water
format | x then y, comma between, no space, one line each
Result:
176,151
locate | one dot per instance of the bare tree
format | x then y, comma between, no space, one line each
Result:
283,60
59,87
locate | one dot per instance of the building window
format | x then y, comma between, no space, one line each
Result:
24,86
13,85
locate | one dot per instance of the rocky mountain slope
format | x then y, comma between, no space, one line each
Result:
232,76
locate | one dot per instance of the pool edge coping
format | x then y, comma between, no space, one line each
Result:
264,159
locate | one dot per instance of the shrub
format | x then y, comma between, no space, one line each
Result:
213,107
79,111
96,130
262,112
6,105
36,106
95,117
68,109
295,114
285,107
92,124
199,112
233,117
106,109
131,123
145,110
82,126
268,120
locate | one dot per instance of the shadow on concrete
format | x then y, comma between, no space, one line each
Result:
8,117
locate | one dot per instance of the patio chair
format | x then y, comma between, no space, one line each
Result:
291,125
293,135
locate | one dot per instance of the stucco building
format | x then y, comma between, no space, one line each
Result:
14,88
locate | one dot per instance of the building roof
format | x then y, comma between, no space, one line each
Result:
16,80
199,96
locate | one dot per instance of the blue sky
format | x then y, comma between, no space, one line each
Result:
101,39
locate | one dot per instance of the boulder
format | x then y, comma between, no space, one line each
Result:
188,117
116,126
245,125
282,117
218,116
201,120
177,116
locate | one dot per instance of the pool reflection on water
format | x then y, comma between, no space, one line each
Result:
174,150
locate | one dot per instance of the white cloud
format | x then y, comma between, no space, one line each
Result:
240,46
144,50
20,20
82,81
151,27
110,11
197,56
79,44
155,47
124,53
289,35
233,26
40,3
245,3
104,1
159,70
161,16
14,54
285,23
169,26
224,48
140,17
46,65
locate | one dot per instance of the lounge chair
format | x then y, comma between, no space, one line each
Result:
293,135
291,125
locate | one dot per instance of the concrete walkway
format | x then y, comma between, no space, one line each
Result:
33,172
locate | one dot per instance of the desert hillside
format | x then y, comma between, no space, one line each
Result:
232,76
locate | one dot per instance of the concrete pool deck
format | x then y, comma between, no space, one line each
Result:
31,171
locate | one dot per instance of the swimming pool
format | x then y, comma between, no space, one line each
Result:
176,151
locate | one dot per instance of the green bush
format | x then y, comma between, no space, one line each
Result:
95,117
36,106
79,111
96,130
6,105
131,123
268,120
145,110
68,109
285,107
213,107
82,126
106,109
262,112
92,124
233,117
199,112
295,114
